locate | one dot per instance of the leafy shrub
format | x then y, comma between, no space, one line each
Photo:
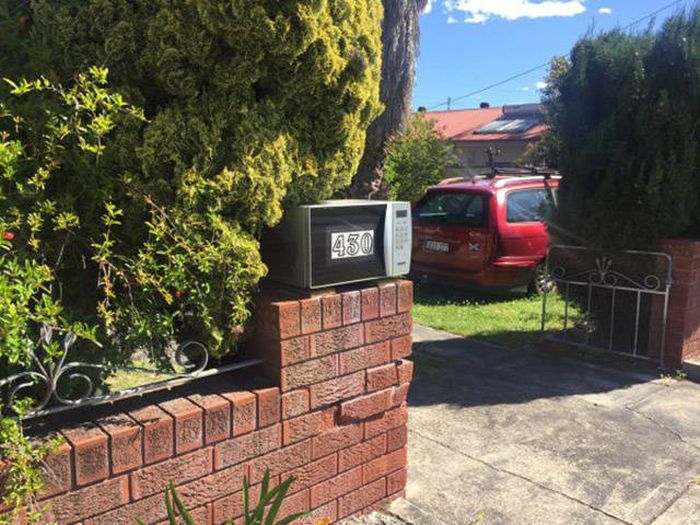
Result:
416,159
250,106
20,477
37,227
625,116
134,231
40,215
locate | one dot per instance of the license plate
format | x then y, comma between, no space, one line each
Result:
437,246
347,245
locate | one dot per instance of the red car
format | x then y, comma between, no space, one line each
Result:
487,232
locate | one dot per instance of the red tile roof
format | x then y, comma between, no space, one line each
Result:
460,124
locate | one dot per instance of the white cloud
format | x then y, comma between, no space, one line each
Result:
428,7
605,11
526,88
480,11
477,18
451,19
541,85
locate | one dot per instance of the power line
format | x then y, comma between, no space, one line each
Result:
651,15
451,101
487,88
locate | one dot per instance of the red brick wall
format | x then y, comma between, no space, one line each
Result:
683,331
334,415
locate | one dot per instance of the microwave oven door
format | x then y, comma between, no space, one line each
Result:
347,244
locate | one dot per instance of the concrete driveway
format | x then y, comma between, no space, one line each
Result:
528,438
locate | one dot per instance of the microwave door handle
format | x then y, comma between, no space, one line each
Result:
388,240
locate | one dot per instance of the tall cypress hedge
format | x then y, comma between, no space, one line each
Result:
251,105
626,117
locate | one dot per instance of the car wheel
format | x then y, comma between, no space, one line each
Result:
539,282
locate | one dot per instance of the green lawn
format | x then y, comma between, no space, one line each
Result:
124,379
508,320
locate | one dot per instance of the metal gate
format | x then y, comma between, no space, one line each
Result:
616,302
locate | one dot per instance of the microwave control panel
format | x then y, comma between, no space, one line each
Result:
399,253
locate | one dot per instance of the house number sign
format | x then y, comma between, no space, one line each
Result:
346,245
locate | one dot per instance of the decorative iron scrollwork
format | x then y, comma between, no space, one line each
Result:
615,293
603,274
191,356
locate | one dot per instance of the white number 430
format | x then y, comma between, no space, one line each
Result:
345,245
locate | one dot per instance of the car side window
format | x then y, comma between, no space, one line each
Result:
527,206
468,209
475,213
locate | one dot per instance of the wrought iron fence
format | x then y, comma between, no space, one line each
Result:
620,299
43,381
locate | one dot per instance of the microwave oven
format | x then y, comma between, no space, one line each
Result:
339,242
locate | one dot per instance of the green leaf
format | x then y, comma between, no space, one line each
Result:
181,507
274,509
169,505
265,483
246,516
265,499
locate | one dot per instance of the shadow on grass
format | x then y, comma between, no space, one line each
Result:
437,294
492,359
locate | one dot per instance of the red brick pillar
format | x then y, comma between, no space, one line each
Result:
333,414
683,329
339,361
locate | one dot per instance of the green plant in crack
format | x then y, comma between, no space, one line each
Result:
264,512
476,519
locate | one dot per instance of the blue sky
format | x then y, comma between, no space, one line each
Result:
469,44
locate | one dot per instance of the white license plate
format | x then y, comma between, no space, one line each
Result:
437,246
346,245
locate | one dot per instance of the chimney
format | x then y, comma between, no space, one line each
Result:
484,105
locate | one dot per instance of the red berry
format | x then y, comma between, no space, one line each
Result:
8,236
178,294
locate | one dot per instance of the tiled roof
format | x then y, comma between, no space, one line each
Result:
460,124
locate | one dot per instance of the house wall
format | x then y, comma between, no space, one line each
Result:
331,411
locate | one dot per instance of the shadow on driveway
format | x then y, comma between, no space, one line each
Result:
529,438
481,373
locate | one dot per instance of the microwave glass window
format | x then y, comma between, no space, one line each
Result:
347,244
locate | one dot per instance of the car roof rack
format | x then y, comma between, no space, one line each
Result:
513,174
526,171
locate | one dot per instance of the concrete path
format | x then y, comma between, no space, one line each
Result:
522,437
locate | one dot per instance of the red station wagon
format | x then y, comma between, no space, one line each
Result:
484,232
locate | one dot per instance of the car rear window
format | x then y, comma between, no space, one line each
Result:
528,206
468,209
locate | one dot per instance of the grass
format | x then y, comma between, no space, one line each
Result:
125,379
508,320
